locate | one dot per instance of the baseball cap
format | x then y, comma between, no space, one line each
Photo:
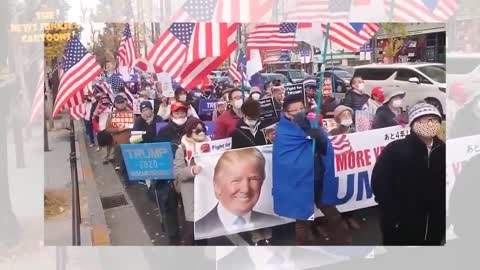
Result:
146,104
177,106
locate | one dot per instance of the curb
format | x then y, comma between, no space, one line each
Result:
100,233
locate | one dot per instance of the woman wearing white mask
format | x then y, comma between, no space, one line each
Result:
181,96
390,113
186,170
343,115
248,132
356,98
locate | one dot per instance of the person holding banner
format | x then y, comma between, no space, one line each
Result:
409,183
121,135
227,122
390,113
186,170
248,131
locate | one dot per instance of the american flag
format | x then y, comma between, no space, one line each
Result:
351,36
421,10
77,112
229,11
189,51
341,144
39,99
116,82
238,67
80,69
127,52
320,10
105,88
273,36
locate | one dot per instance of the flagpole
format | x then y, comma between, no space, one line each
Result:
392,7
76,217
333,69
239,43
320,84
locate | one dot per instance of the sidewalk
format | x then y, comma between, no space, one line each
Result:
58,229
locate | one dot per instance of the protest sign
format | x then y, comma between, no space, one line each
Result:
363,121
138,101
122,119
327,87
206,106
296,89
153,161
166,83
219,169
269,133
268,108
213,146
329,124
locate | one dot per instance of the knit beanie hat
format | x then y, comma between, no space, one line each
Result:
421,109
340,109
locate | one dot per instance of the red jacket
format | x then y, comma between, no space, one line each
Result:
226,124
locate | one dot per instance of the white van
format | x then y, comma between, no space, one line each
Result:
421,81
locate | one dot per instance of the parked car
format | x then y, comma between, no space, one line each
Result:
344,68
293,75
420,81
275,76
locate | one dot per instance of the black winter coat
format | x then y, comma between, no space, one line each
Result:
384,117
355,100
409,186
150,129
242,136
170,133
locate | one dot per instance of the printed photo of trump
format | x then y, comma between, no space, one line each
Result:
237,183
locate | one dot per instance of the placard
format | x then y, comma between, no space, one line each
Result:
166,82
122,119
206,106
213,146
268,108
148,161
296,89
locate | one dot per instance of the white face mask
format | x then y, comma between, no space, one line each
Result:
397,103
346,122
238,103
361,86
179,121
250,123
256,96
182,98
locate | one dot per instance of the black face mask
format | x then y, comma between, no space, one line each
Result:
208,93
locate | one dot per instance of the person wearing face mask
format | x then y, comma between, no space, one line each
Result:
248,132
227,122
180,96
297,187
186,170
310,86
120,135
343,115
390,113
356,98
409,182
166,191
254,93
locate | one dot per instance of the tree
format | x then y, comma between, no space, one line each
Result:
396,34
105,45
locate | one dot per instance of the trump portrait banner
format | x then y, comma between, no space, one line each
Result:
233,192
296,89
152,161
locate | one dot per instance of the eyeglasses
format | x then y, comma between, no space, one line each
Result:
430,120
198,131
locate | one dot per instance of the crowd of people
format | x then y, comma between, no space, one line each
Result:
238,114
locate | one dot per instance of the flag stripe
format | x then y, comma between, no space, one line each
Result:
402,11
